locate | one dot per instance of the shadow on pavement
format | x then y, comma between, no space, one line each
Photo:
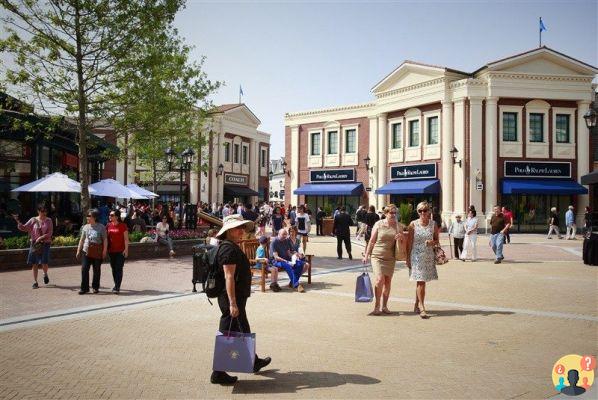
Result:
320,286
108,291
455,313
293,381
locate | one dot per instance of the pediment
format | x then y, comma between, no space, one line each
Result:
242,114
543,61
408,74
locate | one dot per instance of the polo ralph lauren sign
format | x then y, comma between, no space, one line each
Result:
231,179
537,169
332,175
415,171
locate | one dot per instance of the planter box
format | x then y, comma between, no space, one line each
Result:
16,259
327,224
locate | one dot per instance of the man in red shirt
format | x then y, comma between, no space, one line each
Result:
509,220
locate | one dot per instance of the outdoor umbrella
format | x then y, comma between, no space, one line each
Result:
141,191
55,182
112,188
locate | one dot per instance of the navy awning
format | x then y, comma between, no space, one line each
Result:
232,190
542,186
330,189
415,186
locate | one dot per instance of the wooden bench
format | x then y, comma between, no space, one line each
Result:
260,275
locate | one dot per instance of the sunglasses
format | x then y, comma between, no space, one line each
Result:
113,215
423,210
89,216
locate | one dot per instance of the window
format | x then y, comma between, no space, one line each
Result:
397,134
433,130
263,163
315,144
350,137
536,127
414,133
509,127
245,151
333,142
226,151
562,128
236,153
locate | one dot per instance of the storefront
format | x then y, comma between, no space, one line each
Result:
332,188
531,188
236,189
411,184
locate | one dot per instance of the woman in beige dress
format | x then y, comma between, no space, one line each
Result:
381,249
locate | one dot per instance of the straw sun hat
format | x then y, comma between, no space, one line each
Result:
233,221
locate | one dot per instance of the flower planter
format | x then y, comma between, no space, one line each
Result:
327,224
16,259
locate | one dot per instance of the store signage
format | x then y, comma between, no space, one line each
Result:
332,175
537,169
413,171
230,179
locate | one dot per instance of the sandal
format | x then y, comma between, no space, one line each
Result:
423,315
386,311
416,308
375,312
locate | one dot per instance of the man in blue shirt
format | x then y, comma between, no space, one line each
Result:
283,256
570,221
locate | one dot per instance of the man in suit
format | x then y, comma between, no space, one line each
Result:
342,223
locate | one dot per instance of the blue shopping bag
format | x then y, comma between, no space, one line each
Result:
363,289
234,352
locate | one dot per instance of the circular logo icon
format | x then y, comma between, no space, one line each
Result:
573,374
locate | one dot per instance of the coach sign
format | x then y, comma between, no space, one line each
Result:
332,175
537,169
230,179
416,171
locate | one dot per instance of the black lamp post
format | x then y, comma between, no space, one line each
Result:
186,160
454,152
367,160
591,118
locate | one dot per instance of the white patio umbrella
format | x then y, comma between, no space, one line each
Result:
112,188
55,182
141,191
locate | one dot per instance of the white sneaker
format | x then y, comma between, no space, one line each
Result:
172,253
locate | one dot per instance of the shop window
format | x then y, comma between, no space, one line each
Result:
562,128
396,135
536,127
263,153
350,138
414,133
316,138
236,153
509,126
333,142
245,151
227,152
433,130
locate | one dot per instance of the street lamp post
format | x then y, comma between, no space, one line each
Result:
186,160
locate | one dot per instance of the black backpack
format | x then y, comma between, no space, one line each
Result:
213,282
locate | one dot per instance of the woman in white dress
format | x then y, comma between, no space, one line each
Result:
471,235
421,261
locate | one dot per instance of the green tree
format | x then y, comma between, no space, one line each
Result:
67,56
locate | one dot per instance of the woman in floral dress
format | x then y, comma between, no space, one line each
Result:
421,240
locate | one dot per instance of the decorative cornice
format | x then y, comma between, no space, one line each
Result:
351,107
410,87
536,77
467,82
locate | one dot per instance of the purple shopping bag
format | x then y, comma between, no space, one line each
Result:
234,352
363,289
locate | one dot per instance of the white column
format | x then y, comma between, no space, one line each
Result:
373,154
583,157
217,181
491,167
294,163
459,143
193,181
475,151
382,155
447,160
254,168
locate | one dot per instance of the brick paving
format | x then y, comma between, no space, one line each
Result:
495,332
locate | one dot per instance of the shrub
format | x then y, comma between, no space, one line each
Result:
135,237
60,241
404,214
16,242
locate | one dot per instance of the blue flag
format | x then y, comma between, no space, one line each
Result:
542,27
241,89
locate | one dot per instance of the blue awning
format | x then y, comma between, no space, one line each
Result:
542,186
415,186
330,189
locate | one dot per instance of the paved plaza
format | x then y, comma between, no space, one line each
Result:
495,331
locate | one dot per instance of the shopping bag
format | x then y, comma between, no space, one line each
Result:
234,352
363,289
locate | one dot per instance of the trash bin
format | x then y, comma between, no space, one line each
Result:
590,249
200,269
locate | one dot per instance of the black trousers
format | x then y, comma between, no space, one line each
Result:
339,244
117,262
458,246
95,263
319,229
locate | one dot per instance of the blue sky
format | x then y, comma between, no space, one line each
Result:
293,56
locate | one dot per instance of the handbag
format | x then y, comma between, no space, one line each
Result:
37,247
234,352
440,256
363,288
94,250
400,250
